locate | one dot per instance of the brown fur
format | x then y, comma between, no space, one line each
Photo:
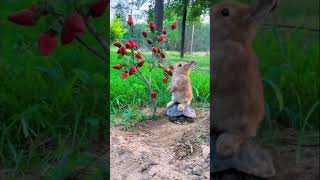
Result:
181,87
238,99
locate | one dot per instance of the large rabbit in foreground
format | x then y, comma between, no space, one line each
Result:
238,100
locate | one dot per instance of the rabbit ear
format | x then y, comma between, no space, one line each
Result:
262,9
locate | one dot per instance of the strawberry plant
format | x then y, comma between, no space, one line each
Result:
67,19
133,62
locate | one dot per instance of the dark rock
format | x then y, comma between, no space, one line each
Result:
180,117
251,160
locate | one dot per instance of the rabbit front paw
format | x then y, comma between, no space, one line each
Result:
181,107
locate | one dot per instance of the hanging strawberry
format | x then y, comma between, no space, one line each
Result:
47,43
98,9
25,18
75,23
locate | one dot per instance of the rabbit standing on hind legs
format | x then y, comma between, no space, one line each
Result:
238,99
181,87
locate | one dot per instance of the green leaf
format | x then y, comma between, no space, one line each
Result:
24,127
277,92
312,109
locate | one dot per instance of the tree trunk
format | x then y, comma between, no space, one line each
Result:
158,9
184,19
192,37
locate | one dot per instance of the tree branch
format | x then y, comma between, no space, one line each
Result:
138,77
94,51
97,35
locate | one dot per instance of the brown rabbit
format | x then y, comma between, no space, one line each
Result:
238,100
181,87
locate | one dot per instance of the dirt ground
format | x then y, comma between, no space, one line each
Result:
285,154
161,149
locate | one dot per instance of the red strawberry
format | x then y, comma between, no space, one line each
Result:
155,50
160,65
67,37
118,66
141,63
47,43
161,38
125,75
145,34
75,23
24,17
167,69
99,8
134,44
165,79
139,56
133,70
122,51
165,31
174,26
128,45
117,44
171,67
153,95
163,55
152,26
130,20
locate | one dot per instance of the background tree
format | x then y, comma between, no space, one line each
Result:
123,8
158,9
191,13
184,20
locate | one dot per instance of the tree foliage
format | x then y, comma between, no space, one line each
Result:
123,8
117,29
196,8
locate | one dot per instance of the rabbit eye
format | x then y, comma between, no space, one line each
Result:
180,65
225,12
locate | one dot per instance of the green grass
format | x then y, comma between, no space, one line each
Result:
131,95
290,68
52,109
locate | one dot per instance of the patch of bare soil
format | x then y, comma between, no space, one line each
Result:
288,169
285,158
161,149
